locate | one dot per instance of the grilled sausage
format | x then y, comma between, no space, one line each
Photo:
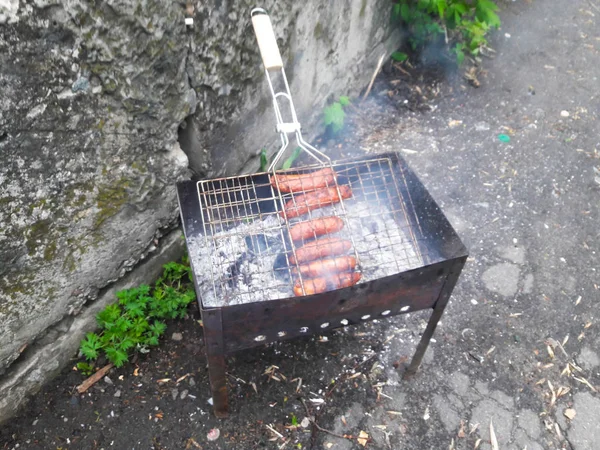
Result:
316,227
316,199
318,285
326,267
314,286
305,181
320,248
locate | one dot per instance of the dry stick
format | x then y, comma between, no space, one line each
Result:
593,5
377,69
324,430
89,382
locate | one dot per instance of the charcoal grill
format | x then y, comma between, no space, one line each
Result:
238,238
420,280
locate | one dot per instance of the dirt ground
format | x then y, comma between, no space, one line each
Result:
515,358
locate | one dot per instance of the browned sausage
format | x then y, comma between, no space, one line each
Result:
325,267
305,181
318,285
321,248
314,286
316,227
301,204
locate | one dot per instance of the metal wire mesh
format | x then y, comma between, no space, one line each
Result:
246,246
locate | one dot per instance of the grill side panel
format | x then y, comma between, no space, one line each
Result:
249,325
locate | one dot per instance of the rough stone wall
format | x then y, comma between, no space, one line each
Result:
92,96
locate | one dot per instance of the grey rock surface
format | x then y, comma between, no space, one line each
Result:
98,101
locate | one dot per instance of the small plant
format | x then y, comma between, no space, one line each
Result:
334,115
463,24
85,368
137,320
264,161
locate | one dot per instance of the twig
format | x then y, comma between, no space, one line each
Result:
90,381
324,430
593,5
377,69
274,431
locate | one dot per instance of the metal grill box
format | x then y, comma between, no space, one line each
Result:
427,261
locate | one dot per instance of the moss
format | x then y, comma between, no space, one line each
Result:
5,201
20,284
101,124
140,167
80,200
37,232
37,204
110,200
363,6
50,251
318,32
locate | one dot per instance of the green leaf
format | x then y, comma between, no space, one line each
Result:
406,12
460,54
108,316
396,11
294,421
90,346
399,56
158,328
288,162
333,116
264,162
344,101
85,368
126,344
116,356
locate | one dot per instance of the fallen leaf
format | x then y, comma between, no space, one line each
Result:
426,416
461,430
570,413
328,444
136,371
493,439
344,421
477,444
362,438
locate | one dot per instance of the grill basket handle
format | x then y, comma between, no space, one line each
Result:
266,39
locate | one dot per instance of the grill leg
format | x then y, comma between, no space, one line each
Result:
218,384
438,310
436,315
215,352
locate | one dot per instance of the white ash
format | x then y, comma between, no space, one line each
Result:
382,246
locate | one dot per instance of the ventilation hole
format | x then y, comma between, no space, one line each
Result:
281,334
3,135
405,308
267,310
342,301
260,337
344,322
303,329
325,325
365,317
386,312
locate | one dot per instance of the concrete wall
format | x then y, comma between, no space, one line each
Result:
93,96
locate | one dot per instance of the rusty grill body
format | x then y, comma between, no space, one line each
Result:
410,260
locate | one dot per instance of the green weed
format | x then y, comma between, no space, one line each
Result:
137,320
463,24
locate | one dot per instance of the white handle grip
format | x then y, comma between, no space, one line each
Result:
266,39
